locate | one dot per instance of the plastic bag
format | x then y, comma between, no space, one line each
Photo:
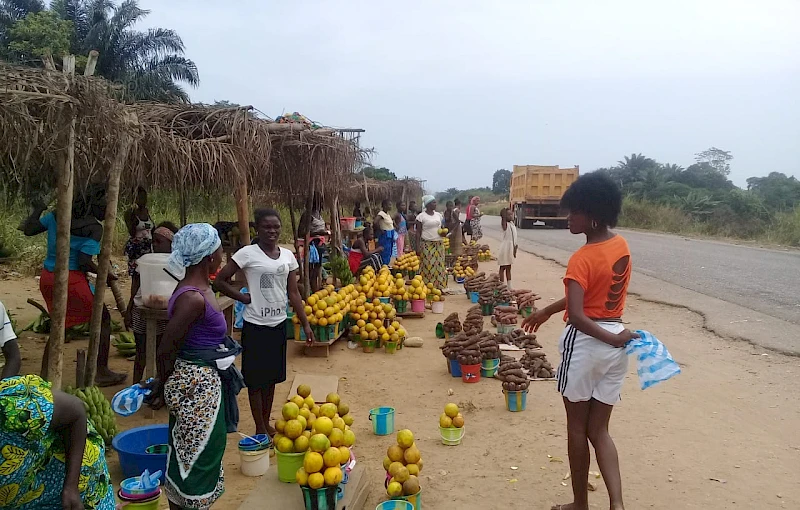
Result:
654,362
238,311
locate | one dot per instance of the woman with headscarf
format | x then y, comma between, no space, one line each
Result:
430,245
86,231
475,221
191,364
140,228
53,456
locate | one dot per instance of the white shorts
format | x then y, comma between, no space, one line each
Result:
591,369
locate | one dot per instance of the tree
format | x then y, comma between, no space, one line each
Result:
717,158
777,191
704,175
379,174
501,182
12,11
39,36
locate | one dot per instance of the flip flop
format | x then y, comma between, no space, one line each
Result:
114,381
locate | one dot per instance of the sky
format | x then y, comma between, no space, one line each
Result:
450,91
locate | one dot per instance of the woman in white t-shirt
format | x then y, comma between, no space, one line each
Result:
271,272
430,245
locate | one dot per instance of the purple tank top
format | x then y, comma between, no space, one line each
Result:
208,331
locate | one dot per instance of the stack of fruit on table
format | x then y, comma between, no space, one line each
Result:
535,363
512,374
326,311
322,432
373,285
433,294
407,264
98,410
451,324
375,321
403,464
526,301
461,269
484,253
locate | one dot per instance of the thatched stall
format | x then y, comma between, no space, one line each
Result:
372,192
56,130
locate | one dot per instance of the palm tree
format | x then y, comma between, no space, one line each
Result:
149,64
12,11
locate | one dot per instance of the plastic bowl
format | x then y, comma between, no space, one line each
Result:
262,442
131,445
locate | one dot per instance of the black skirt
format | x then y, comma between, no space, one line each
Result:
263,355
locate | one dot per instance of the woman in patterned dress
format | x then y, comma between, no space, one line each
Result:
475,222
192,388
430,245
52,456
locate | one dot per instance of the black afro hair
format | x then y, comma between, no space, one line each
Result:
596,195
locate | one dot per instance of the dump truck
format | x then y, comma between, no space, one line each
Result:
536,193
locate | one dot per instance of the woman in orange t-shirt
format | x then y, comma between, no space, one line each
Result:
593,362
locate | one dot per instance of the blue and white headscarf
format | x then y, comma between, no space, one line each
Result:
192,244
427,199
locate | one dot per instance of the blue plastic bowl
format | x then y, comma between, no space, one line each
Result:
131,445
262,442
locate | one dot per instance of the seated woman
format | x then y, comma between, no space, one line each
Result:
361,256
54,458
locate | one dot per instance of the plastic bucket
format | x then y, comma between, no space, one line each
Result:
489,367
288,464
359,223
254,463
395,504
505,328
382,419
401,306
320,499
391,347
368,345
452,436
385,300
487,310
347,223
418,305
470,373
455,368
132,445
527,311
516,401
148,504
437,307
414,499
460,280
473,297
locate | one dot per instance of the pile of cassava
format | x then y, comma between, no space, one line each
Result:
505,315
535,363
518,338
475,282
451,324
473,323
513,376
463,348
525,299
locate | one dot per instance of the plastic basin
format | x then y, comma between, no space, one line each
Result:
131,445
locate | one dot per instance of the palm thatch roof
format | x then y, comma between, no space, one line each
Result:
177,146
361,189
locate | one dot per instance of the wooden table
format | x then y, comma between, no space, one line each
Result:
153,315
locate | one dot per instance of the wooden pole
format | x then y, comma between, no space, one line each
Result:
183,206
104,259
58,316
243,213
336,229
91,63
306,249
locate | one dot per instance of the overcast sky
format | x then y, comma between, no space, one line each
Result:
450,91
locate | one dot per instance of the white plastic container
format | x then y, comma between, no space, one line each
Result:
437,307
156,284
254,463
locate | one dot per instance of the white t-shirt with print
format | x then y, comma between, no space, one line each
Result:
267,283
6,331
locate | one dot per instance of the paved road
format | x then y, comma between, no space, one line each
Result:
759,279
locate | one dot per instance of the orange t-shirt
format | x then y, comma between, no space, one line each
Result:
604,271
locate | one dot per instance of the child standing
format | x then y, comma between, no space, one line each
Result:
593,362
508,246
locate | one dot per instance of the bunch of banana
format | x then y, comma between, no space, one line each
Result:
125,343
98,410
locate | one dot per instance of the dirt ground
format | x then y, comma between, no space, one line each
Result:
723,434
